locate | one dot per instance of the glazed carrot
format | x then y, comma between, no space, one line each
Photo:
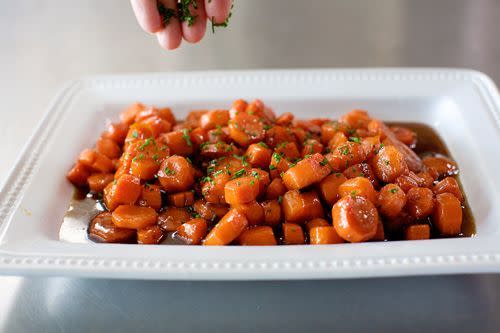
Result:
198,137
449,185
275,189
193,118
108,148
261,235
405,135
306,172
391,200
420,202
156,125
227,229
214,118
418,231
213,187
116,132
210,211
149,235
285,119
241,190
193,231
102,229
98,181
253,212
324,235
79,174
246,128
329,187
317,222
329,129
96,161
358,186
289,150
178,142
125,191
138,131
279,164
426,179
408,181
355,119
311,146
337,139
219,149
345,155
134,217
172,217
238,106
259,155
362,170
380,234
413,162
278,134
163,113
176,174
147,156
150,196
447,215
389,164
220,134
299,207
128,115
262,177
181,199
257,108
272,212
371,146
293,234
355,219
442,165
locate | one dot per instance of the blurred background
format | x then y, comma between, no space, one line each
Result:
44,43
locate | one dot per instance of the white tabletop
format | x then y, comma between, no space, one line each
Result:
45,43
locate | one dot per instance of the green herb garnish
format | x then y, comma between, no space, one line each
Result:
186,137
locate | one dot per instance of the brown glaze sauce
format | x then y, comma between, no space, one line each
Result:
428,142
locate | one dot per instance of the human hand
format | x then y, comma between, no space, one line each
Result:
172,20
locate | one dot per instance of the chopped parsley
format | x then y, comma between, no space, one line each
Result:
355,139
189,160
272,167
344,150
165,13
280,199
186,137
263,145
169,171
386,162
135,134
394,190
277,157
255,174
208,180
218,172
353,194
239,173
324,162
252,182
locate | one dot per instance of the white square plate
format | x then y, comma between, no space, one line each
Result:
463,106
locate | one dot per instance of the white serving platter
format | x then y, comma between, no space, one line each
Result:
462,105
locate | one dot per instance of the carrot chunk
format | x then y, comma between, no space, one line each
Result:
447,215
134,217
241,190
306,172
293,234
227,229
299,207
418,231
193,231
149,235
261,235
324,235
355,219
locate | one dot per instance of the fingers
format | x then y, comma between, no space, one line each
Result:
147,15
170,36
195,32
218,10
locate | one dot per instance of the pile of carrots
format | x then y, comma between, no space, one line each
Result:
245,176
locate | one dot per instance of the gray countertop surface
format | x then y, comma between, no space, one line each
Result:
45,43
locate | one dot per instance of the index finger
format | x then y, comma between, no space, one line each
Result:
146,12
218,10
